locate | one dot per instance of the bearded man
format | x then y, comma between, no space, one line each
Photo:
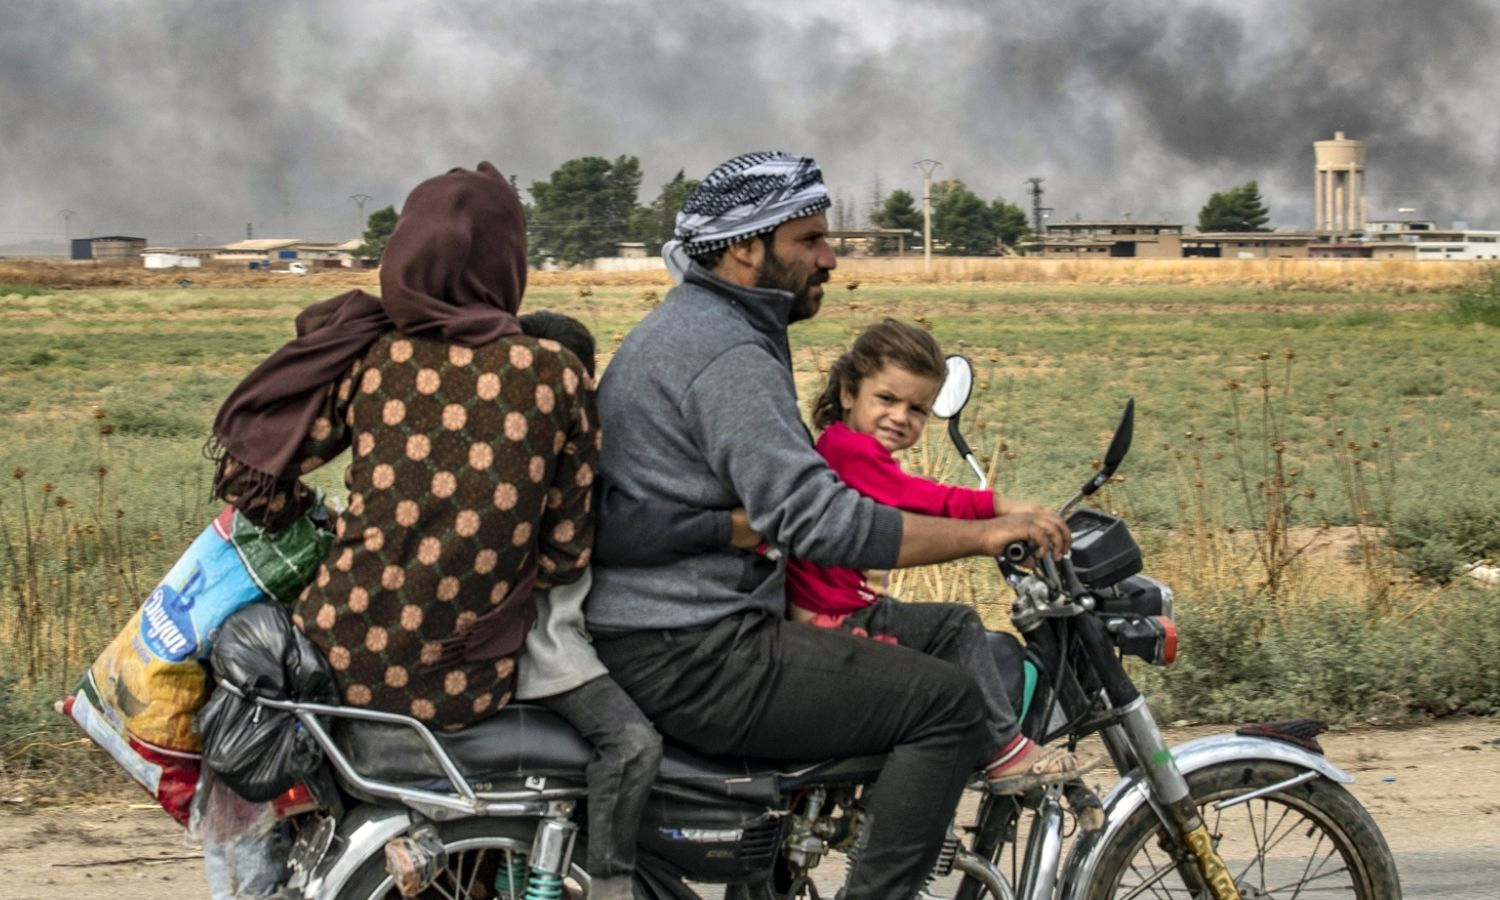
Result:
701,411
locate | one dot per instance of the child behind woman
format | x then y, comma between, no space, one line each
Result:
877,402
560,671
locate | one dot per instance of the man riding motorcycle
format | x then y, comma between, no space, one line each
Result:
701,410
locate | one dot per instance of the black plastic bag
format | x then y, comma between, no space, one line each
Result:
257,751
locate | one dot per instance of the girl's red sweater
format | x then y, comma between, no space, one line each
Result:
869,468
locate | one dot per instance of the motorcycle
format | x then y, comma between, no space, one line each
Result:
493,810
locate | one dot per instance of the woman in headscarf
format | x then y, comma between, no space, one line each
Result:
474,450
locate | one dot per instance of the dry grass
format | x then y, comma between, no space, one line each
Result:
1278,274
77,275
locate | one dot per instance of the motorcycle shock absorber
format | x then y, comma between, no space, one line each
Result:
1168,785
551,854
511,877
544,886
1171,791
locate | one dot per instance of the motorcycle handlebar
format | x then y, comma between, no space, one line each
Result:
1018,552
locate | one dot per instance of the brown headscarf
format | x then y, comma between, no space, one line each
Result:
454,268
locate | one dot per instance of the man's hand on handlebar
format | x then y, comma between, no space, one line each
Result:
1043,529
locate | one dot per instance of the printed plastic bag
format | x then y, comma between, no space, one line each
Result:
137,701
169,776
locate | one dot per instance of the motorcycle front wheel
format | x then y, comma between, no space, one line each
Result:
479,852
1313,839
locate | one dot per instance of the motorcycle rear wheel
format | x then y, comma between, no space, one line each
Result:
477,849
1311,837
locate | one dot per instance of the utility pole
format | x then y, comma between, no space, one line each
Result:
359,201
1038,211
927,166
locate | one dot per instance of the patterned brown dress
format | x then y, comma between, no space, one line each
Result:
471,468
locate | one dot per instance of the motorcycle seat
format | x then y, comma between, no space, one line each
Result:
526,741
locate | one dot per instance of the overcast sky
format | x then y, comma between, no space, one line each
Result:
184,120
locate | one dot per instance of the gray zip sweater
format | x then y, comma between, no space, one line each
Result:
698,407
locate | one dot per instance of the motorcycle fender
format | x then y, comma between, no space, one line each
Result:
1130,793
361,834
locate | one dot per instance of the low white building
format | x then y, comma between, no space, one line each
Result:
170,260
1423,240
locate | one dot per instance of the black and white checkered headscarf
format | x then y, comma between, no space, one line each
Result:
749,195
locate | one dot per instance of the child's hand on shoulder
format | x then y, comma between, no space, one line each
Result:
742,535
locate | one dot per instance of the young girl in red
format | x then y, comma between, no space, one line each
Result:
877,402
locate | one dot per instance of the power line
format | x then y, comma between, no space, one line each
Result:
359,201
927,166
1038,211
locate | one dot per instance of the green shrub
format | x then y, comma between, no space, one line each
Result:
162,422
1330,659
22,289
41,754
1463,664
1224,670
1479,301
1437,541
25,723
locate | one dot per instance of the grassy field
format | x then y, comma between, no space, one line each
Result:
1272,409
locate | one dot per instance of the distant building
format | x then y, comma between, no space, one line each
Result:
159,258
1338,250
630,250
113,250
199,253
871,241
642,263
1423,240
259,251
1103,238
329,254
1247,244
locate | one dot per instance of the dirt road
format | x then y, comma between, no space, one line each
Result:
1434,790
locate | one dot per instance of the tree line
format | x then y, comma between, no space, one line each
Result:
589,205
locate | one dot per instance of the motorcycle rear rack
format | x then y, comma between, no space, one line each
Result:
463,802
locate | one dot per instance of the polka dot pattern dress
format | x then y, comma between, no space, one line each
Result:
471,467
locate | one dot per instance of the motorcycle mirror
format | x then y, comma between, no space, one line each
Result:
954,394
1119,445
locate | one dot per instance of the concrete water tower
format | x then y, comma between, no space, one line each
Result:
1339,192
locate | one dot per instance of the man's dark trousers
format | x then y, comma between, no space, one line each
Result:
758,686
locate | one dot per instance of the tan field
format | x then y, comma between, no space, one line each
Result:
1276,274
